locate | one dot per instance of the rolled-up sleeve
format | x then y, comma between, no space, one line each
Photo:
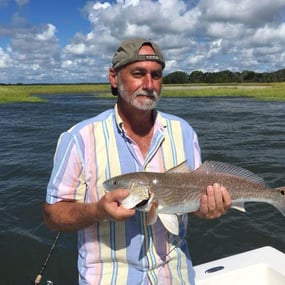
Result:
67,181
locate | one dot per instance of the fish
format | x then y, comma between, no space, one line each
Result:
177,191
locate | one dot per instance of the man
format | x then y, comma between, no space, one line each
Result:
116,246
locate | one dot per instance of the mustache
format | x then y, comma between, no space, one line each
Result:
146,93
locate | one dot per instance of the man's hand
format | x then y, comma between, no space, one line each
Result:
214,203
108,207
72,216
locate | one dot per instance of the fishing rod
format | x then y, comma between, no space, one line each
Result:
40,275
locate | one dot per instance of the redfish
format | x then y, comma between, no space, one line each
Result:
178,190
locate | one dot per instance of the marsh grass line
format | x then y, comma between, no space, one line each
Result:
28,93
269,91
193,87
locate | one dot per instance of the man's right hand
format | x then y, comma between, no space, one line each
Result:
109,207
72,215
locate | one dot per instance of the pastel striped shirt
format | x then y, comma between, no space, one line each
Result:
130,252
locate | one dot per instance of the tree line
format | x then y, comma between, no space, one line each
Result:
225,76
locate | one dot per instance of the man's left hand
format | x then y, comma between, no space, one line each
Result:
214,203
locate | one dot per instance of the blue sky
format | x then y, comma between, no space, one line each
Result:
64,14
70,41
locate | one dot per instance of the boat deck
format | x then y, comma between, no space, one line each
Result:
262,266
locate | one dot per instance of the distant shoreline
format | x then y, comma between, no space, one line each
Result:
259,91
190,87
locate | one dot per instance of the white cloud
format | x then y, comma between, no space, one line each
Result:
78,49
98,5
47,34
5,59
194,35
267,34
243,11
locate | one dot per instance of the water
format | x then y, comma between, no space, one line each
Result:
243,132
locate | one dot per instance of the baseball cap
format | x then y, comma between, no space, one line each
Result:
128,52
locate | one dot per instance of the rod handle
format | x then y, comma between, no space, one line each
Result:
38,279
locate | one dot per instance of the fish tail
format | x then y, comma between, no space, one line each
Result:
281,203
281,189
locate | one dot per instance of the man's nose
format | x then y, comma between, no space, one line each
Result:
148,82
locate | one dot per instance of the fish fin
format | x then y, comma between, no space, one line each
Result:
182,167
170,222
152,213
221,167
238,206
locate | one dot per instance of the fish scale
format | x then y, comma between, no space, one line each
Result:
180,193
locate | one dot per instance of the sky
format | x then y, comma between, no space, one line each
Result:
73,41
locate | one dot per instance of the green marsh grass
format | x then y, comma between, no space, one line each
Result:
270,91
28,93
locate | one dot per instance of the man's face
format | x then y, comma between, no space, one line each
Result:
139,83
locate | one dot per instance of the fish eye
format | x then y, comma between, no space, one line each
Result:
115,183
282,192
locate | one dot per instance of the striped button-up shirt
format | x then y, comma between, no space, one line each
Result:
130,252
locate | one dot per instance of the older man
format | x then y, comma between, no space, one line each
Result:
116,245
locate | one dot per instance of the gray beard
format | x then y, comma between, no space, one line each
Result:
147,104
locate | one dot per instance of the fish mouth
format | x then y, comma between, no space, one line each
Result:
142,203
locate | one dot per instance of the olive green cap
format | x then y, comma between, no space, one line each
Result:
128,52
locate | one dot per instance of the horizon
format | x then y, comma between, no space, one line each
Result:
107,83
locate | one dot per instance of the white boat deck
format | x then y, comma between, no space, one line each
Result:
262,266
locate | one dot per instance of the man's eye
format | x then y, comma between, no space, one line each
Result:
138,74
156,75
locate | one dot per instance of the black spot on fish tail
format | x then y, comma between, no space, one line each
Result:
281,190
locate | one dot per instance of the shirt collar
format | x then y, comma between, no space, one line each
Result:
159,123
118,119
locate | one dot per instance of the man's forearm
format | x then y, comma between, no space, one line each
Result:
69,216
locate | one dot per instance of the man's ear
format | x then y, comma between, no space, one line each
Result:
113,78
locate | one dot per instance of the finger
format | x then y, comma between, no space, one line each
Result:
111,208
211,198
218,198
123,213
226,197
119,194
203,204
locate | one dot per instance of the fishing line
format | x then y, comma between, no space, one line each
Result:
40,275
